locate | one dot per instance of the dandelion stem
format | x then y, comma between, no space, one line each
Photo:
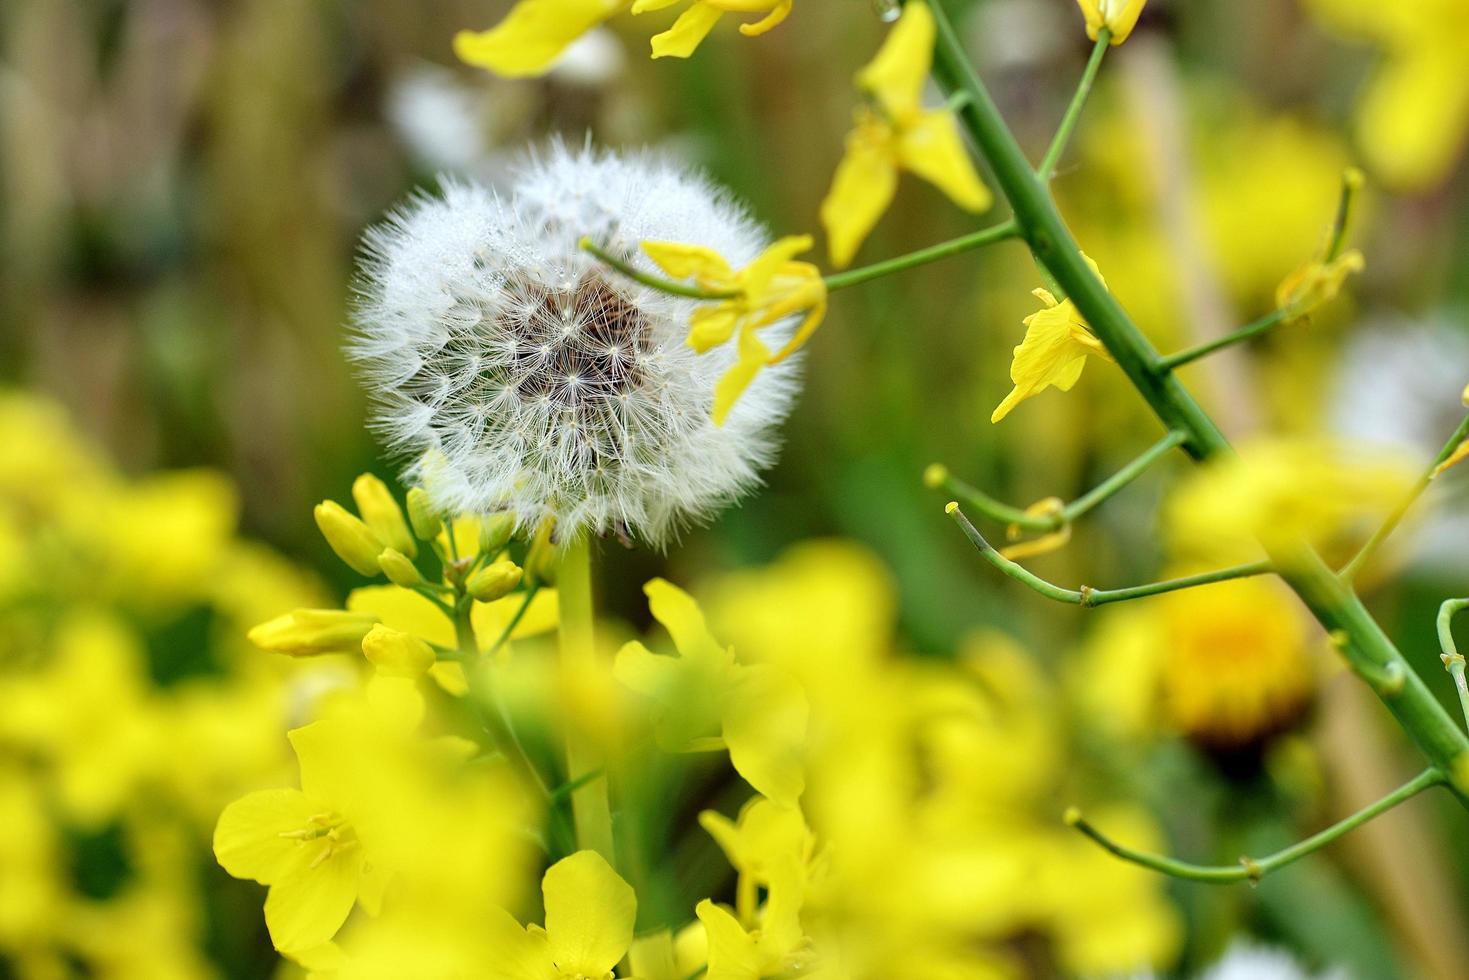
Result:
938,477
1253,869
1360,559
651,281
590,807
1334,605
1047,169
1453,660
997,233
1272,319
1087,596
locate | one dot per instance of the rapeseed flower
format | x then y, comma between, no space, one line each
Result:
533,35
769,290
1117,16
1054,352
695,23
894,132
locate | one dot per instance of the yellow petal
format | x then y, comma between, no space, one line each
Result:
520,953
765,717
897,75
777,14
332,767
933,150
589,915
1316,283
814,315
680,615
754,355
683,261
733,953
381,513
1118,16
404,610
644,671
757,276
861,190
397,654
686,34
532,35
307,632
1460,453
248,841
711,326
305,909
1053,353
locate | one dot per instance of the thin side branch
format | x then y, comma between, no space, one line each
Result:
1253,869
1047,169
1003,231
1453,660
1270,320
1087,596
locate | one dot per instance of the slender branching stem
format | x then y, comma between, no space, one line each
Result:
1334,605
1453,660
1359,560
519,614
939,478
651,281
1003,231
1351,183
1270,320
1086,595
1047,169
1253,869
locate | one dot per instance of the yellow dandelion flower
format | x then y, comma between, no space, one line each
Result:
768,290
1054,351
894,132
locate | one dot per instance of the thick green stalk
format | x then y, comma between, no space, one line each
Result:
590,806
1334,605
1253,869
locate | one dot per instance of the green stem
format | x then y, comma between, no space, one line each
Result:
997,233
520,611
1272,319
590,806
653,282
1453,660
1337,608
1360,559
939,478
1253,869
1086,595
1047,169
1351,183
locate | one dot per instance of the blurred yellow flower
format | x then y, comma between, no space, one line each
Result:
894,132
1316,283
589,925
768,290
1117,16
707,701
305,843
1414,117
1054,351
695,23
1281,490
533,35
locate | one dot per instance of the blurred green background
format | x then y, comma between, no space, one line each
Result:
183,184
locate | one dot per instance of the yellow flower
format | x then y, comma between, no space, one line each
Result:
1118,16
1316,283
708,702
533,35
381,513
350,537
589,925
1057,342
768,290
895,132
304,843
1280,490
1414,117
695,23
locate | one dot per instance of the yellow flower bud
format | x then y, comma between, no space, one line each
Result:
495,531
397,654
398,569
305,632
540,558
381,513
494,581
423,515
352,540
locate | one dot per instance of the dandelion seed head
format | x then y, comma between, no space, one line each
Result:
514,371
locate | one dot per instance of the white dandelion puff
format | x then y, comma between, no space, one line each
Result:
515,372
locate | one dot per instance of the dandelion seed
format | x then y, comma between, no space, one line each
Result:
517,374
